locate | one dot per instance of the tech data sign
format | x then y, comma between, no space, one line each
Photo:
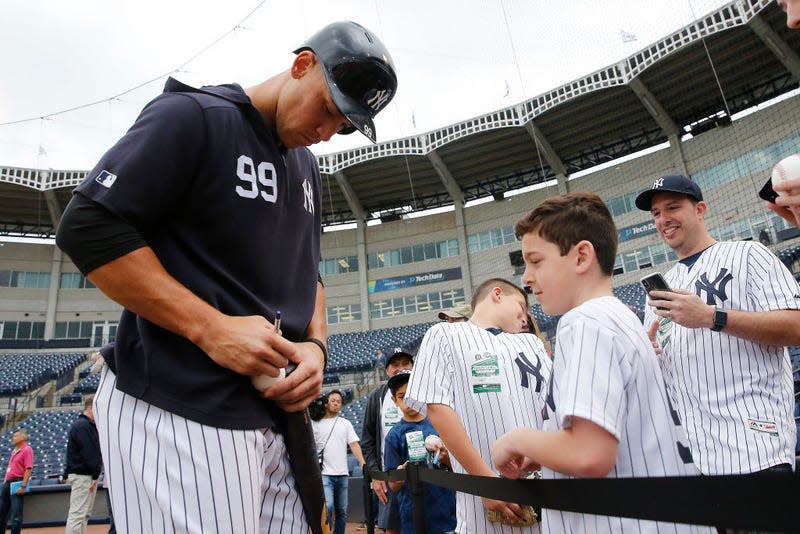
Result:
399,282
637,230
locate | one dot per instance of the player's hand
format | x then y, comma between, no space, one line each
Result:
304,384
786,212
683,307
651,333
379,487
246,345
511,510
403,465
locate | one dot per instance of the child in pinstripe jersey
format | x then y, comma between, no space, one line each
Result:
607,413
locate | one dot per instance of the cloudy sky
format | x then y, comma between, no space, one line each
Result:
455,58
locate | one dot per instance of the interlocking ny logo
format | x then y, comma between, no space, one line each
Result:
526,367
379,99
715,288
308,200
658,183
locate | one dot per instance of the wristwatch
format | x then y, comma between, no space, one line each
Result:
720,320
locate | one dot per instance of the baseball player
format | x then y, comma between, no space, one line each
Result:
481,379
607,412
203,222
722,332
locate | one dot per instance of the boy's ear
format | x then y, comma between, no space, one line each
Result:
585,256
496,292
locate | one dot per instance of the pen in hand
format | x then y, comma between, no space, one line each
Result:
277,329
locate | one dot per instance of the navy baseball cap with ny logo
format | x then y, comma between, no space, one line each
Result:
674,183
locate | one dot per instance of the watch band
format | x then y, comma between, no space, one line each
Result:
322,347
720,320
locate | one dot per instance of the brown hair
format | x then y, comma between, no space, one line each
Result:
502,283
566,220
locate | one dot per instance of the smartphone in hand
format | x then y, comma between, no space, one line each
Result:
767,192
655,282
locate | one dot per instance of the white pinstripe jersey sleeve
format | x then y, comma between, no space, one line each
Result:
734,396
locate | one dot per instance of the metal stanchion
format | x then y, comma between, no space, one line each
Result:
417,496
369,512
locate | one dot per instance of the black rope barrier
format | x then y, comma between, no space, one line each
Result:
754,502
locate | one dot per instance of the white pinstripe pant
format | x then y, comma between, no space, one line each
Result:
169,474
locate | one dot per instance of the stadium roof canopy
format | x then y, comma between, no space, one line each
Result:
667,89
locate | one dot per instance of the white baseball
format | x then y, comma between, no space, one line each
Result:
264,382
433,442
786,169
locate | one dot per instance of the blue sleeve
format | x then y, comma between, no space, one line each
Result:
146,174
392,455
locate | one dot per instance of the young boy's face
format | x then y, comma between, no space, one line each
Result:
398,398
547,273
511,313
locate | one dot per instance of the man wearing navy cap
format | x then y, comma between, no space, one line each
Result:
380,415
722,333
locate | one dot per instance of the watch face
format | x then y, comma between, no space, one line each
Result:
720,320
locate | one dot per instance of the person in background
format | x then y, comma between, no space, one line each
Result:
20,466
456,314
408,441
334,434
380,415
84,464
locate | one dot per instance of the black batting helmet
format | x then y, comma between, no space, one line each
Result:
359,71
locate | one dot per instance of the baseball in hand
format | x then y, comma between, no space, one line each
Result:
433,442
264,382
786,169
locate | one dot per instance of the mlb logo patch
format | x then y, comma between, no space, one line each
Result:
106,179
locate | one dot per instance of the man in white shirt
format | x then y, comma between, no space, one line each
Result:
333,435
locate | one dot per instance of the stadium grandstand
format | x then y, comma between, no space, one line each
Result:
413,225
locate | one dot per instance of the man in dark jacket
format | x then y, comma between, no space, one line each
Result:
84,464
380,416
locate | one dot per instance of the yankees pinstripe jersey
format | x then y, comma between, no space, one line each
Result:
495,382
735,397
605,371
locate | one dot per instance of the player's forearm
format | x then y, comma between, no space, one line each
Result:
139,282
455,438
318,327
779,327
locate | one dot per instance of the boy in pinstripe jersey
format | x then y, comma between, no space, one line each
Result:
607,413
722,333
479,379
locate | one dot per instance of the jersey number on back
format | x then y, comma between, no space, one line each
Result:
263,175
